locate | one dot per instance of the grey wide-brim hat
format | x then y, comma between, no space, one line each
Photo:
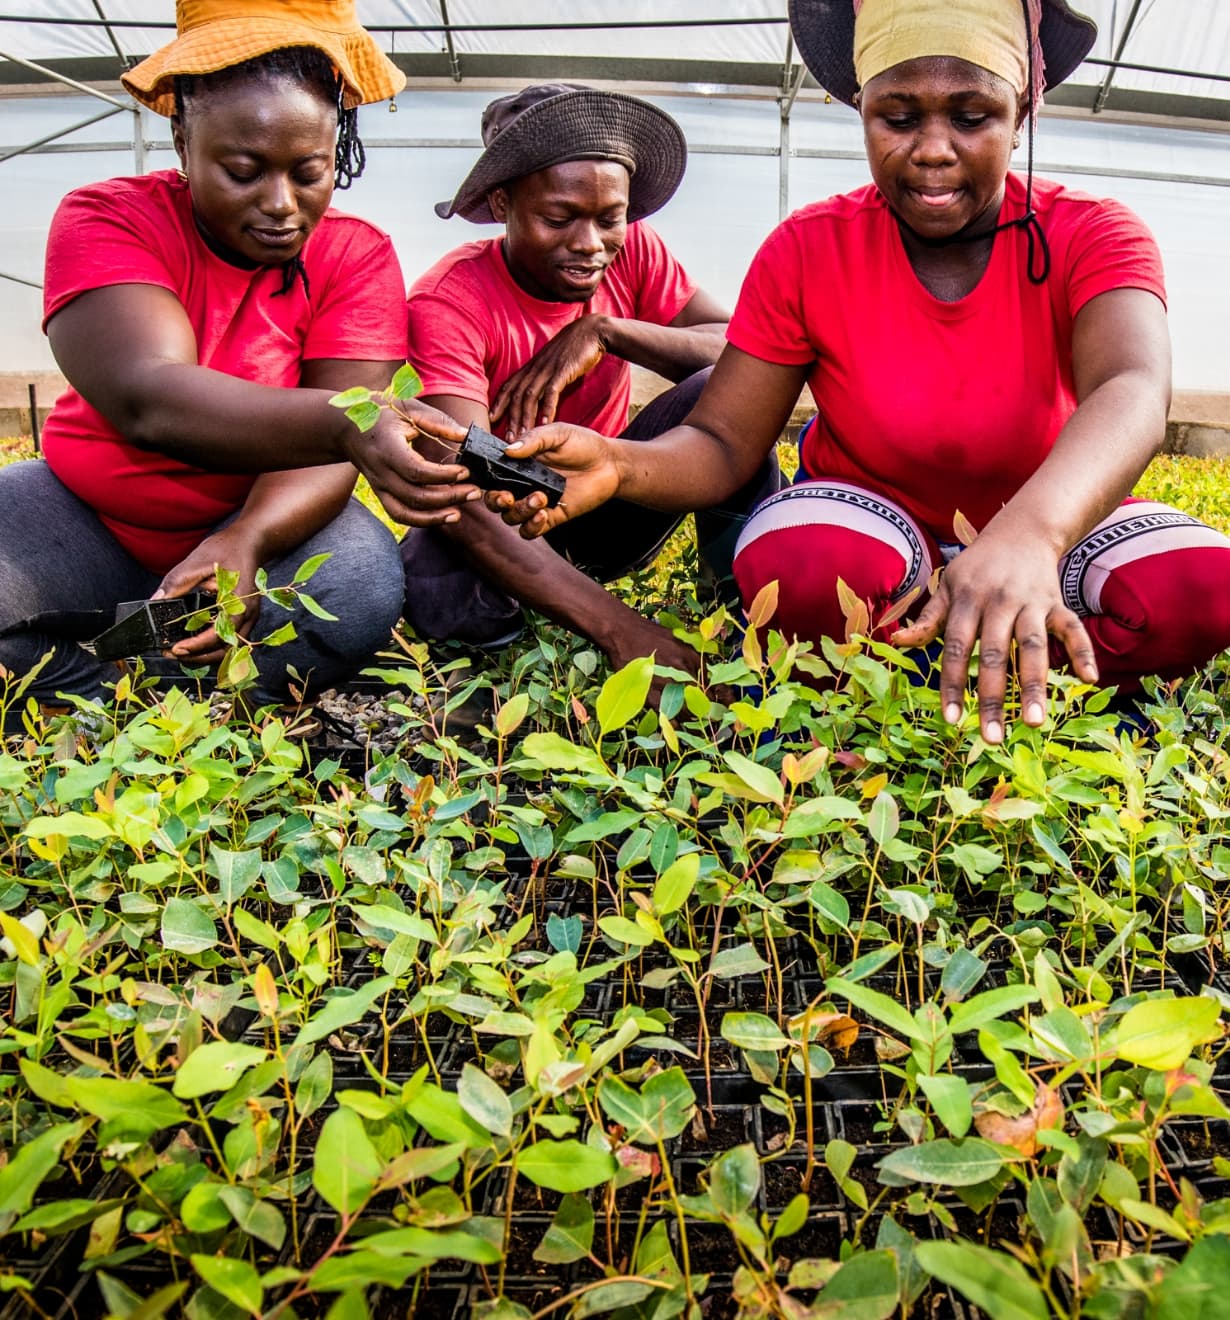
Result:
824,34
551,123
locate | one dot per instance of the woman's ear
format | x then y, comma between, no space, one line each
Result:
179,140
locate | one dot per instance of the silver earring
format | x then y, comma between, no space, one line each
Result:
1016,141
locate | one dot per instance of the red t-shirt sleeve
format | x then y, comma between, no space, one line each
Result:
359,313
102,236
447,346
769,320
663,288
1110,247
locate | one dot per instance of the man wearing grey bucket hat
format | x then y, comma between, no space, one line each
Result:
541,323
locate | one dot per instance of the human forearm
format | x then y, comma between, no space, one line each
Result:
222,423
1096,460
284,509
674,352
534,574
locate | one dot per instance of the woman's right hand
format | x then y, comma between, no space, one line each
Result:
586,459
415,490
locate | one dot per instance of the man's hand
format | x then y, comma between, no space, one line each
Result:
642,636
1003,588
415,490
588,461
231,548
530,396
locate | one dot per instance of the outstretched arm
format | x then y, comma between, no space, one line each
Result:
534,574
692,341
130,350
717,450
1005,587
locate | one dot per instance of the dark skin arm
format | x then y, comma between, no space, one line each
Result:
693,340
533,573
129,349
1005,587
717,450
282,510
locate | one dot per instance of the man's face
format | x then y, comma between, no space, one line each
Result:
563,227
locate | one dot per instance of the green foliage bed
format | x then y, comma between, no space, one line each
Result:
804,1005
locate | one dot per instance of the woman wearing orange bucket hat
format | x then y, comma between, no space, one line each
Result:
203,318
988,353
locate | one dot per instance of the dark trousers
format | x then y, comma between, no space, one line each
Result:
447,598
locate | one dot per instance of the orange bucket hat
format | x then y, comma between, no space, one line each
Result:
215,34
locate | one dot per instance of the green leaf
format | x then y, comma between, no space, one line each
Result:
759,778
989,1005
364,415
865,1288
203,1209
70,825
315,1084
1162,1033
406,383
307,570
186,928
258,1219
942,1163
993,1281
552,752
236,1280
830,905
736,960
623,931
440,1114
215,1066
343,1009
237,872
753,1031
734,1180
570,1235
139,1108
875,1005
381,916
1197,1287
484,1101
675,885
434,1245
659,1111
346,1167
566,1166
883,819
564,934
26,1169
623,695
950,1098
348,398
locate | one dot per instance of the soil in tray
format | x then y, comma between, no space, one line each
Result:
1201,1142
433,1301
783,1181
724,1128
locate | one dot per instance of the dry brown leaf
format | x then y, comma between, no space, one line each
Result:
1021,1133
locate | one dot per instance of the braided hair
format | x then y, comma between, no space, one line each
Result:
308,67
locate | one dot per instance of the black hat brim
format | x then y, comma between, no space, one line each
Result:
586,124
824,35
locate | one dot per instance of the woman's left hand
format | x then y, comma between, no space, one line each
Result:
231,549
1003,588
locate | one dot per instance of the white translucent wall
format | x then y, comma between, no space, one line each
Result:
727,204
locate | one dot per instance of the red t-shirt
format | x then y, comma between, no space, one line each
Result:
141,231
941,406
472,325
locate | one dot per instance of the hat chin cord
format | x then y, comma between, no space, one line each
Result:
1038,264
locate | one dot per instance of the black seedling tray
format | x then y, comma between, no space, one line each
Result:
490,468
142,626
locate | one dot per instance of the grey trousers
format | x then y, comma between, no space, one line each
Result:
57,557
447,598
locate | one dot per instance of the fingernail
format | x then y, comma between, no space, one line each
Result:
474,495
952,712
1034,713
452,517
993,732
158,595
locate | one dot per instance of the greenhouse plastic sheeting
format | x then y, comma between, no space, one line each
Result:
1189,35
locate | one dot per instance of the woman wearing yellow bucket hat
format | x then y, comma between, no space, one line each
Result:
988,354
203,318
